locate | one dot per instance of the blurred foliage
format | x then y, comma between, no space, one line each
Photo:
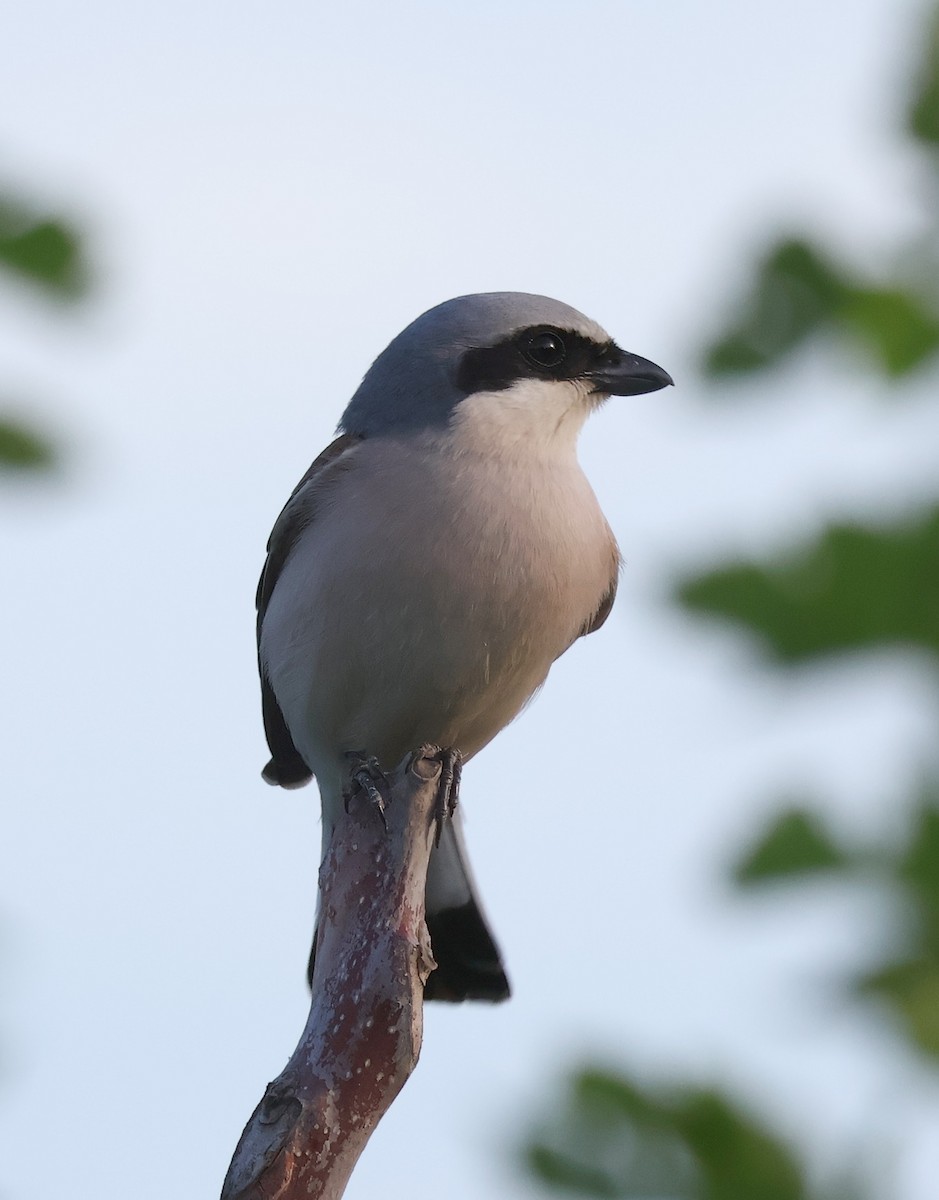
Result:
847,589
800,292
897,328
47,254
850,588
797,844
795,293
906,985
613,1137
923,120
44,250
20,447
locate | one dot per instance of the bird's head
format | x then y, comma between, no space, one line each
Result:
499,367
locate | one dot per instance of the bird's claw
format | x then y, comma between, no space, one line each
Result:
367,776
448,788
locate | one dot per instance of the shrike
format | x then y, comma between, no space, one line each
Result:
435,560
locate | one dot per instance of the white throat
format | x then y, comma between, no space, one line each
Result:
533,416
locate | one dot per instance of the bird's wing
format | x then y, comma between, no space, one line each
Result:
286,767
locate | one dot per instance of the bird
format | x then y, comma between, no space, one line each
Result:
432,564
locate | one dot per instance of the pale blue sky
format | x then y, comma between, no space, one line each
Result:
271,193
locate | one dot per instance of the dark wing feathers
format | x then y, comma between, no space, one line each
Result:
287,768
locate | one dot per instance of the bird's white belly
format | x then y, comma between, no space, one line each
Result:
393,625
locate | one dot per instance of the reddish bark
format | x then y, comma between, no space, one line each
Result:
363,1035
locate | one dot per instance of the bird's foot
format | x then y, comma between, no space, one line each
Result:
448,789
366,775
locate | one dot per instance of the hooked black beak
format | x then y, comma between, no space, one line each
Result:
625,374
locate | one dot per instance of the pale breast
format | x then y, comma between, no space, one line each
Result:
428,598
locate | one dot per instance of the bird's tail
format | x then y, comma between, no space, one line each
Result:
469,965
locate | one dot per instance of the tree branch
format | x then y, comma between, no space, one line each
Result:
363,1035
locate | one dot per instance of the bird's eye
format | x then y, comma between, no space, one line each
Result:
544,349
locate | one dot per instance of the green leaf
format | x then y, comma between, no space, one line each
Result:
796,292
897,327
739,1159
916,868
608,1138
910,990
45,251
22,448
563,1174
607,1098
612,1137
851,589
796,844
923,119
